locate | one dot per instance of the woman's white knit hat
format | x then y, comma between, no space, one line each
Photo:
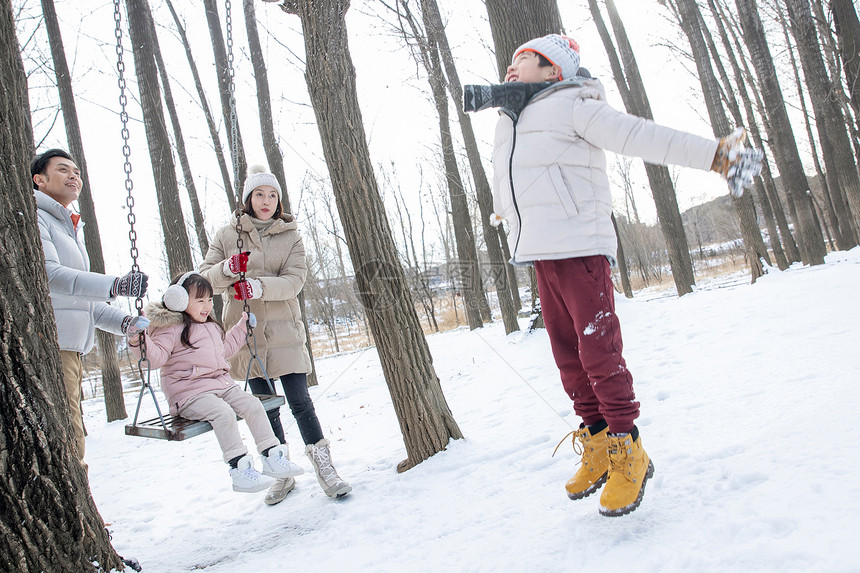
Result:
560,50
258,175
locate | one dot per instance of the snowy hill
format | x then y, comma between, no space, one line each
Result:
749,406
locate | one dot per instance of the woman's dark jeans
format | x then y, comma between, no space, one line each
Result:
299,399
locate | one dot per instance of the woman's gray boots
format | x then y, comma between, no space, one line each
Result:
320,457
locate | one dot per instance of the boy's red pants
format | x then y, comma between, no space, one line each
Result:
578,305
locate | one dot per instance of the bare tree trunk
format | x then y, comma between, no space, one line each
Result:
635,100
848,31
498,264
788,162
828,181
623,271
270,143
204,103
792,253
691,22
468,272
50,521
176,242
835,145
240,166
425,419
196,211
734,106
111,378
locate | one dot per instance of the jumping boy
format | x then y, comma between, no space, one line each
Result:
550,184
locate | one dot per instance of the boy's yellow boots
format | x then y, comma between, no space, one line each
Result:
595,463
629,469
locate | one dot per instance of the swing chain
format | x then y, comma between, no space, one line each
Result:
126,151
234,148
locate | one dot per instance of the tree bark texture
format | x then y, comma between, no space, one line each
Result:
50,522
498,264
111,378
752,129
187,174
623,271
692,24
237,149
177,246
467,273
836,148
847,28
828,181
425,419
787,157
270,142
204,103
632,91
515,22
792,253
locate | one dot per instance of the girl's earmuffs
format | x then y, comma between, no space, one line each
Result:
175,298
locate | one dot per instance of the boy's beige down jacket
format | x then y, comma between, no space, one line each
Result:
277,260
550,178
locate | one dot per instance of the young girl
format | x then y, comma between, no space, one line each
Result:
275,269
192,349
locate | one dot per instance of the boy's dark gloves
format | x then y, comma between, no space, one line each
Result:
512,96
133,284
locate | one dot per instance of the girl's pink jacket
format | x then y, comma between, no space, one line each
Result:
187,372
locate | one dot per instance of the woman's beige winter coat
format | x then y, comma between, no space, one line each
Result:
277,260
550,178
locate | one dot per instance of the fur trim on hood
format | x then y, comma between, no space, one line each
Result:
160,316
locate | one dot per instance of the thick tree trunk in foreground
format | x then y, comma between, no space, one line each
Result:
50,522
425,419
111,377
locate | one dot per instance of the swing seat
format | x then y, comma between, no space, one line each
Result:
179,428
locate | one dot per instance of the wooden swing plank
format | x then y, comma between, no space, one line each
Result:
179,428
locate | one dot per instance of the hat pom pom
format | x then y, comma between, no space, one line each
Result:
254,169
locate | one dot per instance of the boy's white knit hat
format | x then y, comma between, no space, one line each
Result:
560,50
258,175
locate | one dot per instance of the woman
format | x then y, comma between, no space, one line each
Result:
274,265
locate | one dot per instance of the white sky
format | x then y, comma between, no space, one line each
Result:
400,120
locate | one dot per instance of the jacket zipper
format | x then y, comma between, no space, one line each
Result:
514,119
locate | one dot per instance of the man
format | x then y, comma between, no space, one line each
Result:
79,297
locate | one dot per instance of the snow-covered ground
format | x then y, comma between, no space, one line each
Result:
749,399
